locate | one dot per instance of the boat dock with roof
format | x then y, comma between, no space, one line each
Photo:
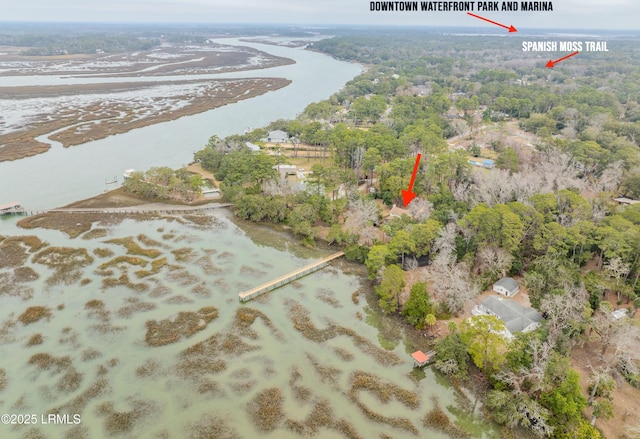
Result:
13,207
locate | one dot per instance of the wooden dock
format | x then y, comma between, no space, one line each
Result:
134,210
287,278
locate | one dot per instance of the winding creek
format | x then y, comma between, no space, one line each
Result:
127,337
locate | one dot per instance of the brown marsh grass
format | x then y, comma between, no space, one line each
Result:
35,340
156,266
103,252
67,263
25,274
133,248
302,322
3,379
184,254
96,233
265,409
149,242
135,306
184,325
383,390
438,420
33,314
123,281
117,423
211,427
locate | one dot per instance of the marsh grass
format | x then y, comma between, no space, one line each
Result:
123,281
149,368
97,309
327,374
3,379
183,278
397,422
12,254
133,248
117,423
135,306
156,266
243,386
25,274
437,419
185,325
131,260
184,254
251,271
201,290
69,381
96,233
65,261
300,393
207,265
245,317
80,402
178,300
355,297
265,409
85,281
35,340
33,314
149,242
210,427
103,252
327,297
343,354
302,323
383,390
90,354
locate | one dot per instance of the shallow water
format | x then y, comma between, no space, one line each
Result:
310,344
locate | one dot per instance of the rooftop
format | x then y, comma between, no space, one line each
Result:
516,317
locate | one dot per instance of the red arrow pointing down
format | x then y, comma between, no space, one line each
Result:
409,195
550,64
511,28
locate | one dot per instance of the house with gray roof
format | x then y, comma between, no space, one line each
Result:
277,136
516,318
507,286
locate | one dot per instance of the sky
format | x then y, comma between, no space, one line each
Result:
570,14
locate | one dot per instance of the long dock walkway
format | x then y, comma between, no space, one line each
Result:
140,209
287,278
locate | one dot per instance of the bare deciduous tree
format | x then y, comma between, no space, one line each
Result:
493,260
360,214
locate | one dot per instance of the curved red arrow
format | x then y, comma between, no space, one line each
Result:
550,64
511,28
409,195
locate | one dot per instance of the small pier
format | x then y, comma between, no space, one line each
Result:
421,359
287,278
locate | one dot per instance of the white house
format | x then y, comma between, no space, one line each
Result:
507,286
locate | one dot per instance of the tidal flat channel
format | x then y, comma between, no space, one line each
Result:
136,327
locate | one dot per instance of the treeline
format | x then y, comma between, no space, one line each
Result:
164,183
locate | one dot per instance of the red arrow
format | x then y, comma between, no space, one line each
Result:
408,195
511,28
550,64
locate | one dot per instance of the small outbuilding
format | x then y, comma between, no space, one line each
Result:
507,286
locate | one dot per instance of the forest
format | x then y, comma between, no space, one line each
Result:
555,211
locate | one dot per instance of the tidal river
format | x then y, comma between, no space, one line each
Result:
64,175
133,329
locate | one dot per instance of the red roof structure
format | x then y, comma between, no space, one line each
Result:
420,358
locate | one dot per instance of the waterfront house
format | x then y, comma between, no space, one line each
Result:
516,318
277,136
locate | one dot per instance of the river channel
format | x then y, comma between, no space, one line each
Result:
64,175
